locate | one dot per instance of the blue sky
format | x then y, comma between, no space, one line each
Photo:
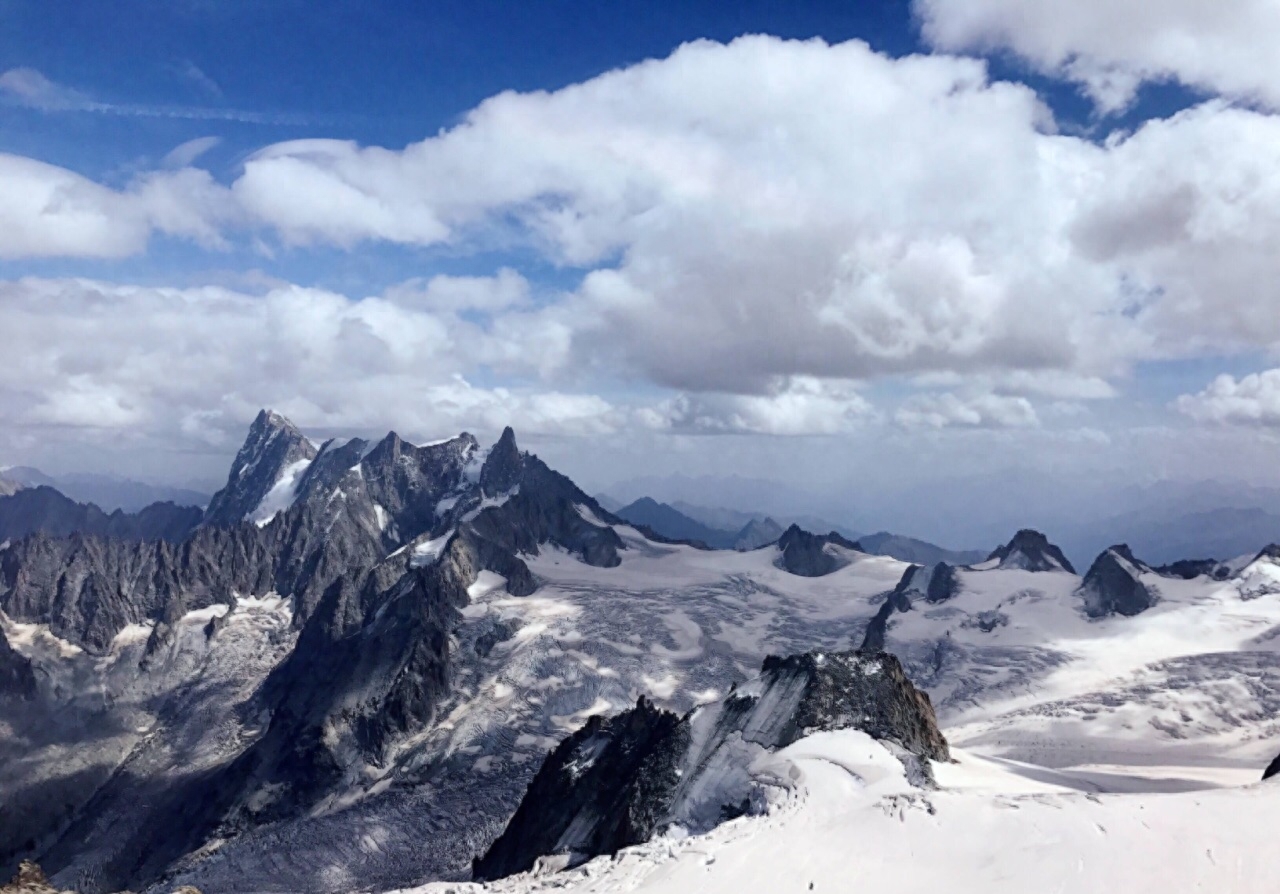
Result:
938,238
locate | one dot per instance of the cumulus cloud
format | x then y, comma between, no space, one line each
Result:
1251,400
50,211
861,218
797,406
973,411
1112,46
193,365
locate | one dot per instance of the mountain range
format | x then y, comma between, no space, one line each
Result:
368,665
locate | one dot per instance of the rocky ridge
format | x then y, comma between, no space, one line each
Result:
375,545
1030,551
811,555
618,781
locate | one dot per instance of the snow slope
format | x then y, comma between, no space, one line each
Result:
850,821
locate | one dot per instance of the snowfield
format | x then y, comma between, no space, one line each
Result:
850,821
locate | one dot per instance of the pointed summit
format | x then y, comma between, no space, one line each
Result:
1030,550
1114,585
503,466
273,456
808,555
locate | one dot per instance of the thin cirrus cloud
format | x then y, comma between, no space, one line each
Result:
29,88
862,218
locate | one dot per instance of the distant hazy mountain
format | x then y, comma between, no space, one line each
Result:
106,491
725,519
609,503
43,509
921,552
756,533
669,522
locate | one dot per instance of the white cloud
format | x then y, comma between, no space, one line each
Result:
973,411
30,88
192,365
185,155
50,211
1111,46
860,218
798,406
1251,400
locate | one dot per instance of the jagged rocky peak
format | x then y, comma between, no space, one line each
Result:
1114,585
274,455
503,466
1030,551
620,781
809,555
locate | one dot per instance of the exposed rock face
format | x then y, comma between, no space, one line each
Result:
932,584
807,555
1114,585
619,781
1030,551
17,679
1272,768
273,446
44,509
503,466
755,534
595,793
1190,569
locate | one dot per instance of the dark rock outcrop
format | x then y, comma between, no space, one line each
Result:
933,585
806,554
1272,768
1114,586
503,466
618,781
17,678
1030,551
1190,569
595,793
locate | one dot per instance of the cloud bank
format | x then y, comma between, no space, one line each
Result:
764,231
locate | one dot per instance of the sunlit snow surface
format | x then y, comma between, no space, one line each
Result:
849,821
1062,725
